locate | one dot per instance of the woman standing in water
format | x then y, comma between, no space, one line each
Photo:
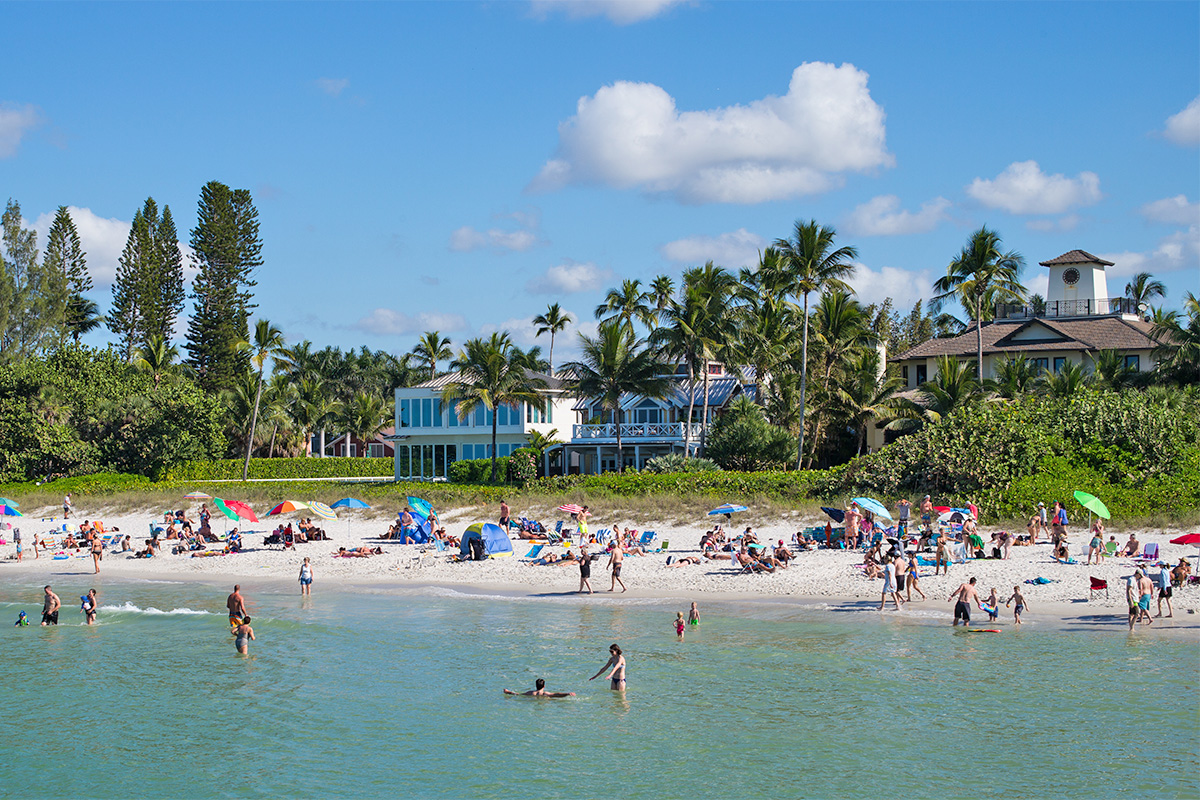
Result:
245,635
306,578
616,661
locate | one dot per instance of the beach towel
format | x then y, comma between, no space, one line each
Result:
1040,580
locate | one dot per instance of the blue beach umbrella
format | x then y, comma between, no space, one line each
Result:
835,514
874,506
727,509
349,502
9,511
419,505
4,501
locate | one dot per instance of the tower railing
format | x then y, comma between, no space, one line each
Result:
1059,309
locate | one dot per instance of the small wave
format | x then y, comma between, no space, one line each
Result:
128,607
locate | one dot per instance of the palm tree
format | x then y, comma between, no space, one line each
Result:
532,359
626,304
553,321
431,348
1015,376
812,265
766,320
1178,349
492,374
268,340
661,293
954,385
363,417
83,316
871,395
156,356
1111,371
1037,304
980,275
677,339
614,364
1066,382
841,332
714,289
1142,289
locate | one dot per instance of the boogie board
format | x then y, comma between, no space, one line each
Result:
987,608
983,630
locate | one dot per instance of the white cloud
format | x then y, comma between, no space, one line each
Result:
739,248
1067,222
622,12
1038,284
1179,250
467,239
569,277
1024,189
333,86
904,287
1184,128
1172,210
632,135
386,322
15,122
882,216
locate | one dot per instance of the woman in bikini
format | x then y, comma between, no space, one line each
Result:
616,660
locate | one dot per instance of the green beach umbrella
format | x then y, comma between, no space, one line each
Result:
4,501
1093,504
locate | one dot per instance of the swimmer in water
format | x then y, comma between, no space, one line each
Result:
616,660
694,615
89,607
244,636
539,691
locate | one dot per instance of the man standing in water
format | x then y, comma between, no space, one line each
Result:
236,605
50,608
965,594
614,563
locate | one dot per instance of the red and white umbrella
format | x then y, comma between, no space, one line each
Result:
570,508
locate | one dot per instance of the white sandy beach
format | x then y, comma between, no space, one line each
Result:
832,576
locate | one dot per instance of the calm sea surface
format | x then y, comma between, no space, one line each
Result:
398,694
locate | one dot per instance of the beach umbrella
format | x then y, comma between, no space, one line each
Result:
419,505
570,508
1092,504
321,510
234,509
727,509
835,514
9,511
4,501
287,507
874,506
349,502
197,496
1189,538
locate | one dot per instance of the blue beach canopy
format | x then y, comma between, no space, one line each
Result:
728,508
349,502
495,541
874,506
835,514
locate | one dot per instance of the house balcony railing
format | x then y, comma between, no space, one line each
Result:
1057,309
635,431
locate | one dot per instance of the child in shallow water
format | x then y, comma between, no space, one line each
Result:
990,606
679,624
694,615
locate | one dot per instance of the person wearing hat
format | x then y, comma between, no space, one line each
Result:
1042,526
1179,574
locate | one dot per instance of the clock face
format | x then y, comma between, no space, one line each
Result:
1070,276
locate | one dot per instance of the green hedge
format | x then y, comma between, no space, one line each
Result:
231,469
477,470
724,484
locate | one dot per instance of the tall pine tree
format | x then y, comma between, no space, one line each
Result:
227,251
148,292
30,321
67,271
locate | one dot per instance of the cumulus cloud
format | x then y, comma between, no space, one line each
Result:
1024,189
1172,210
1184,128
333,86
525,237
386,322
15,122
903,286
631,135
1179,250
569,277
622,12
739,248
882,216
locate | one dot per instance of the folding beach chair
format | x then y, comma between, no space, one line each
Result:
1111,548
663,545
534,551
647,538
1149,552
1097,585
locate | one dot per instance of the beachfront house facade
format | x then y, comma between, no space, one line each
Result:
429,436
378,446
1078,321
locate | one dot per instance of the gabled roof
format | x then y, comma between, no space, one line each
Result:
1089,334
442,381
1076,257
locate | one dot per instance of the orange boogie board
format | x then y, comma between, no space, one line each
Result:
983,630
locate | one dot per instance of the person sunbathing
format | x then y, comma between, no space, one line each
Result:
1061,553
1132,546
1180,573
755,565
782,553
683,560
715,556
359,552
70,542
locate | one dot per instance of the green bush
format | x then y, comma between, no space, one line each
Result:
791,486
477,470
677,462
231,469
749,443
522,466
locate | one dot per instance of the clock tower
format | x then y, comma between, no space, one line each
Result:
1078,285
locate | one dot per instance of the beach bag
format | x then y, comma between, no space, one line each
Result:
995,552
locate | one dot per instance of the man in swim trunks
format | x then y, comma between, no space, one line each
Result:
236,605
965,594
540,691
50,607
585,571
504,516
1145,592
927,514
615,559
903,509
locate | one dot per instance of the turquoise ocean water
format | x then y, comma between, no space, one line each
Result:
398,694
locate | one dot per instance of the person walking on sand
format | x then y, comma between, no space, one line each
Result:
67,506
17,541
236,605
243,636
1164,592
616,667
585,571
306,578
965,593
680,624
97,548
853,515
1043,525
539,691
504,514
1145,592
88,607
50,606
1020,606
581,525
942,557
903,508
889,583
615,559
927,515
912,584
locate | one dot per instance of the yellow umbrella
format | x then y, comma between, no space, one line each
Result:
321,510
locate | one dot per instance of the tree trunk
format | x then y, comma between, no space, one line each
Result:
617,422
495,420
253,424
321,444
803,383
704,415
687,426
551,354
271,450
979,338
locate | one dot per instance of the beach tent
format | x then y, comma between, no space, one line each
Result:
424,532
495,541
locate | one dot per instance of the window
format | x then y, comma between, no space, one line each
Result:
405,413
375,450
549,411
1133,363
427,413
1059,363
437,413
904,375
453,415
715,369
922,373
1041,363
480,412
353,450
646,412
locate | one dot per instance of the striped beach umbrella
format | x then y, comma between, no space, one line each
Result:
321,510
9,511
197,496
349,502
287,507
4,501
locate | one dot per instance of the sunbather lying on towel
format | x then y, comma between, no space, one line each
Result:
359,552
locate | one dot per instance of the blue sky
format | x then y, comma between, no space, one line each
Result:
460,165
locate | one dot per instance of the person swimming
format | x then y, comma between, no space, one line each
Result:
539,691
